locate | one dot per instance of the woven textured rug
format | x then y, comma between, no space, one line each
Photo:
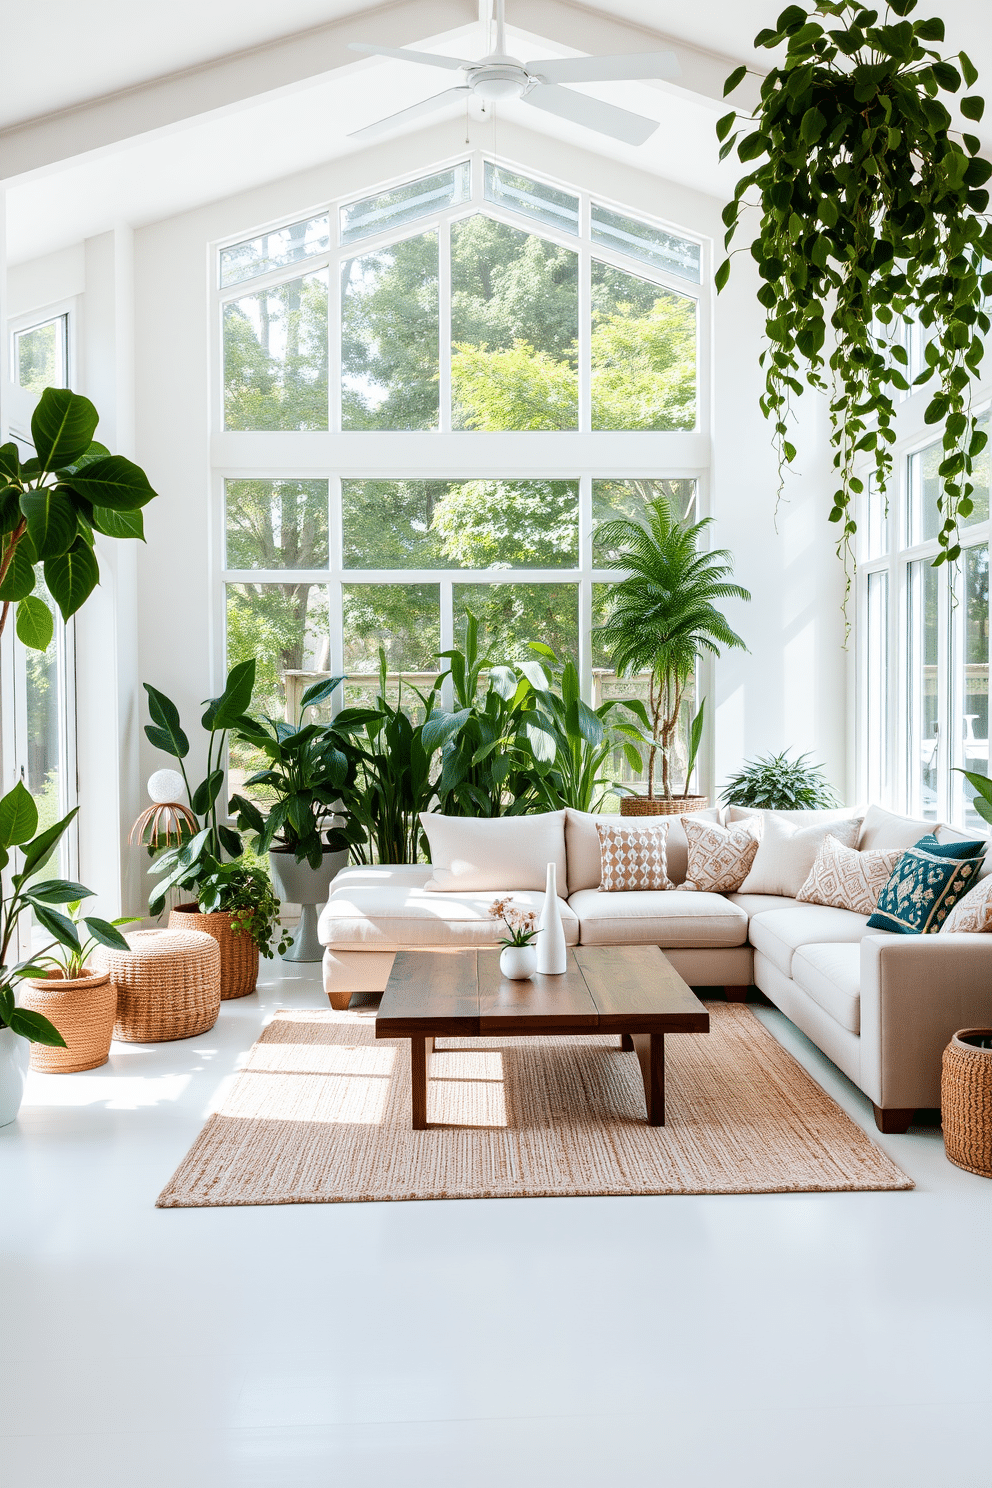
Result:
321,1114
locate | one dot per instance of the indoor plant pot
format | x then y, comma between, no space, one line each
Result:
15,1054
82,1009
662,806
517,962
238,952
966,1100
298,883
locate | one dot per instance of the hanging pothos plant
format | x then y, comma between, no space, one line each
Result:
871,217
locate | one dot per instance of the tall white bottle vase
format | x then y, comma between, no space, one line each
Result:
551,955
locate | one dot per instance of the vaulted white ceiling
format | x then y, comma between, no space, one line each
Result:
116,110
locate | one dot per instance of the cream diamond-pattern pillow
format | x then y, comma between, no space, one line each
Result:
633,857
847,879
720,858
973,912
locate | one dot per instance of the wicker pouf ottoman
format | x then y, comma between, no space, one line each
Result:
966,1100
168,985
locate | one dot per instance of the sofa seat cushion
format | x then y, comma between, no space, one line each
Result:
778,933
831,976
672,917
753,904
394,919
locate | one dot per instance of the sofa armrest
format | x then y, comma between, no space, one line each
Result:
916,990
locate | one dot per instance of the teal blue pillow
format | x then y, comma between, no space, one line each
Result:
925,885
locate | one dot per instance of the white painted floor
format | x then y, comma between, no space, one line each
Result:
778,1341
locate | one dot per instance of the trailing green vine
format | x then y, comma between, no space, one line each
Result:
872,216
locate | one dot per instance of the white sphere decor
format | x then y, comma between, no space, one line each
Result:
166,786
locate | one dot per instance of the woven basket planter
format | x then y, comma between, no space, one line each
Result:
168,985
966,1102
658,806
82,1010
238,953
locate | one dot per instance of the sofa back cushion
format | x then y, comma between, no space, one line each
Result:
583,852
882,828
787,852
495,852
845,878
810,818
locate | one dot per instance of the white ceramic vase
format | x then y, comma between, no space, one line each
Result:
551,954
15,1056
518,962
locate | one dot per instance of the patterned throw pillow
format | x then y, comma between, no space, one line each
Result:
848,879
972,913
925,885
720,858
633,857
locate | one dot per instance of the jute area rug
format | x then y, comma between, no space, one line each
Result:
321,1114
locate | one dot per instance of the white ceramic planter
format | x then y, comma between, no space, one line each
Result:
298,883
15,1056
518,962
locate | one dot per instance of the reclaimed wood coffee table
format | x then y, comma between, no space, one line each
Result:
629,990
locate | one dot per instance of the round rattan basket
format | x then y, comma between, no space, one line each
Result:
238,953
82,1010
966,1101
658,806
168,985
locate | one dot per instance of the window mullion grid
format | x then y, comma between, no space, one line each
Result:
584,339
585,587
334,345
946,652
335,604
444,325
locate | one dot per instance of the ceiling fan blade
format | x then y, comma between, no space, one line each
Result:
605,118
428,59
415,111
607,69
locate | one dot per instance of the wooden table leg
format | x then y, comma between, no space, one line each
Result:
650,1050
626,1043
421,1049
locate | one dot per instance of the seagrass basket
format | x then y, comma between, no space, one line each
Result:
238,953
966,1101
658,806
168,985
82,1010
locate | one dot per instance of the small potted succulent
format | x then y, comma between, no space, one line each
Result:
518,958
80,1001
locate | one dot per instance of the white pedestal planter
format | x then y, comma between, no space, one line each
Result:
298,883
15,1056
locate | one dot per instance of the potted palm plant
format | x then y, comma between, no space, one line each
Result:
660,619
309,764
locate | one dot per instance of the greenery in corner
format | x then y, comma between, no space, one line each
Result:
309,766
70,960
52,504
776,783
663,615
871,213
18,825
244,892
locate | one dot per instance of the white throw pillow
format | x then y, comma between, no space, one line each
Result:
882,829
973,911
848,879
469,853
787,853
582,845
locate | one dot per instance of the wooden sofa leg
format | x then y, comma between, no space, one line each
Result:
340,1001
893,1120
736,994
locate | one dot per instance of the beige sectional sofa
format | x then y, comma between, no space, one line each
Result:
881,1006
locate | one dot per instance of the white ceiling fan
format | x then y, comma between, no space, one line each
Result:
498,77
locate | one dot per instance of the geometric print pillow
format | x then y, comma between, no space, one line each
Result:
720,858
633,857
848,879
925,885
973,913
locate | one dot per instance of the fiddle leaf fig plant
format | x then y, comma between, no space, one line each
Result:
50,507
871,218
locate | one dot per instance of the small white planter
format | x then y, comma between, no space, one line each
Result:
518,962
15,1056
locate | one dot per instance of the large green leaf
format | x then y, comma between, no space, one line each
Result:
10,508
59,891
51,521
62,427
207,792
35,1027
18,817
18,581
319,692
58,925
225,712
10,463
111,481
72,577
119,523
105,934
35,625
169,735
38,852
